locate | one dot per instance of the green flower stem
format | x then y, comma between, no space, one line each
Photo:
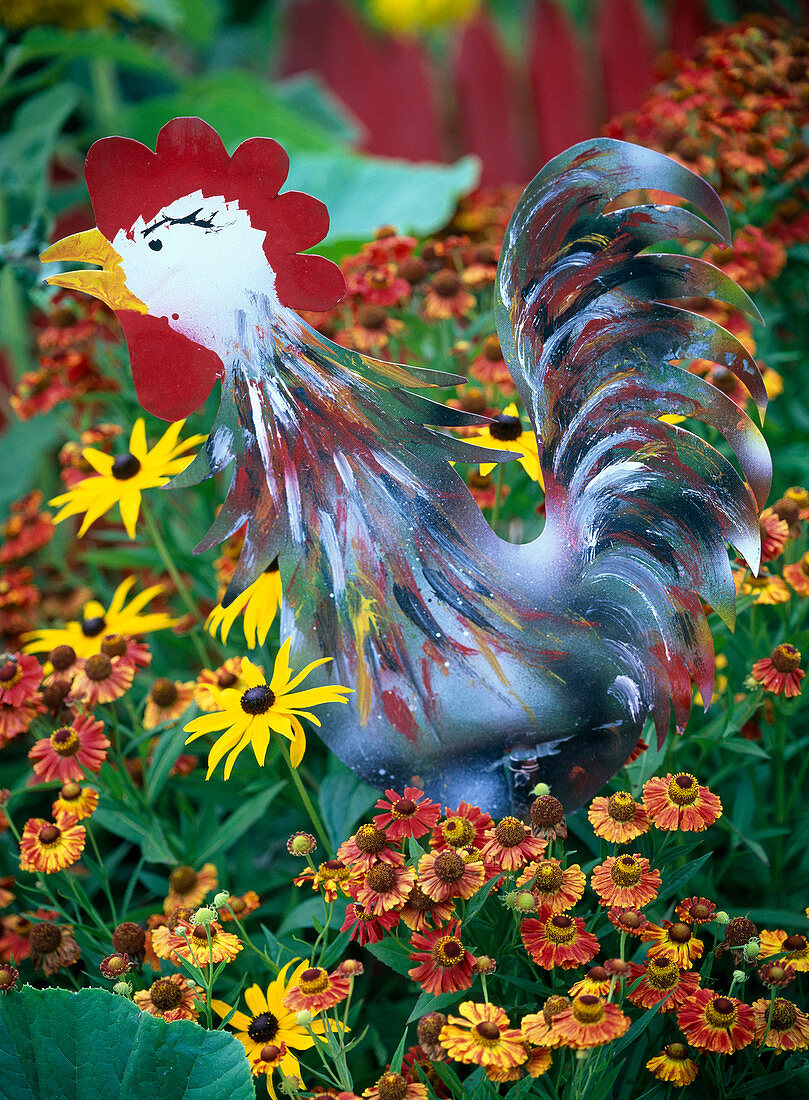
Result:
323,935
262,954
314,816
104,876
614,977
769,1017
182,588
501,475
86,906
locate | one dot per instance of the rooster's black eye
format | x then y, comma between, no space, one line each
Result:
155,245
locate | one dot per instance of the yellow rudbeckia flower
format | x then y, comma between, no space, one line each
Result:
98,622
122,479
249,717
507,434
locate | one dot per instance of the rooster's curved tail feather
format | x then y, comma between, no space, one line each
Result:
641,507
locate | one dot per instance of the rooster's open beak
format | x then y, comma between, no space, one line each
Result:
109,284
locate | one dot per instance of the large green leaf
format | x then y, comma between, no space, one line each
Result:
69,1046
343,800
363,193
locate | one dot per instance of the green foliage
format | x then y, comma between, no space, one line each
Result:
67,1046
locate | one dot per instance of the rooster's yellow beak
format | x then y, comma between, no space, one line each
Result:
109,284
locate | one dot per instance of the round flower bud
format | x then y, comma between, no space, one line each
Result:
721,917
510,899
525,901
301,844
204,915
541,789
123,989
221,899
739,976
752,949
304,1017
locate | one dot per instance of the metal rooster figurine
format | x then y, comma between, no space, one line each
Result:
480,667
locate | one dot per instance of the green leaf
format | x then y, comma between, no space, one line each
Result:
396,960
431,1002
23,447
67,1046
226,835
343,800
362,193
169,747
673,884
396,1060
123,50
479,900
308,96
147,833
26,150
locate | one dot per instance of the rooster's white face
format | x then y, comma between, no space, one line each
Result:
196,263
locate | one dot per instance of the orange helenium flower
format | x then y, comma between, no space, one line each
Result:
446,874
558,940
556,888
169,998
784,1028
77,800
48,847
675,941
70,751
679,802
189,888
189,941
510,844
673,1065
445,964
794,946
717,1023
661,980
385,887
780,673
317,990
618,819
589,1022
482,1036
625,881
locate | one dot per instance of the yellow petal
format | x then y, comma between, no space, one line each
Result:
137,440
256,1001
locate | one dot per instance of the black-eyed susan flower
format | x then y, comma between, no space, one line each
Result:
696,910
445,965
249,717
419,910
393,1086
384,887
661,980
446,874
85,636
482,1035
780,673
50,846
189,888
102,679
258,604
673,1065
409,815
680,802
316,990
268,1020
714,1022
121,480
618,819
70,751
53,946
75,799
369,845
589,1022
507,433
625,881
555,887
510,844
794,947
558,940
169,998
781,1025
167,701
674,940
196,943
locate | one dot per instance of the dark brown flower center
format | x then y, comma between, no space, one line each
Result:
314,980
257,700
699,911
10,673
70,792
739,931
622,807
597,974
679,932
446,284
125,466
630,919
492,349
546,811
93,626
98,667
506,428
448,951
488,1030
182,880
553,1006
263,1028
795,943
371,316
626,871
54,694
560,929
677,1052
129,938
164,692
114,645
381,878
165,995
45,937
405,807
784,1014
369,839
510,832
419,901
333,870
449,866
720,1012
48,834
225,680
270,1052
785,658
62,657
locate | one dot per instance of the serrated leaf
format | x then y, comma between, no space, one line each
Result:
68,1046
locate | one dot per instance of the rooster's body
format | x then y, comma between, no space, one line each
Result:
481,667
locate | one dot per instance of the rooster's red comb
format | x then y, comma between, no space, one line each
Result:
126,180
